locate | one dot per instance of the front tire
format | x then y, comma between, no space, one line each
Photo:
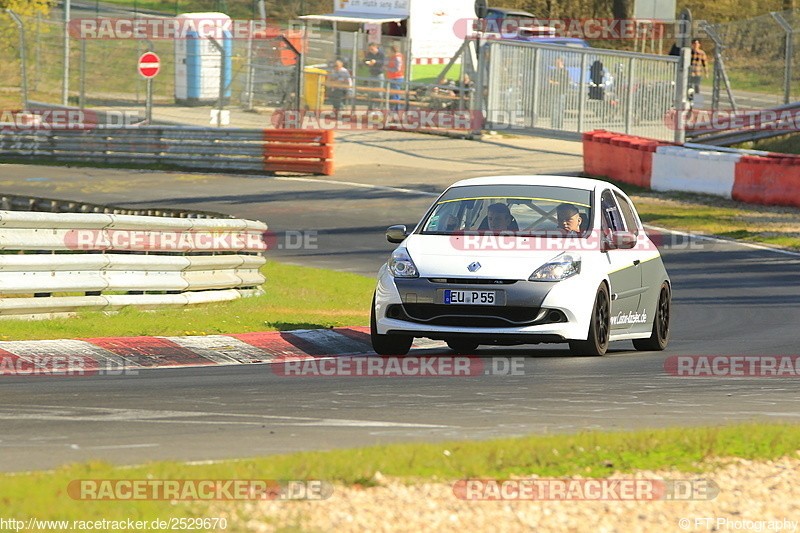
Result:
660,336
599,327
461,346
387,344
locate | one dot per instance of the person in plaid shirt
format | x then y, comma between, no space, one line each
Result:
697,67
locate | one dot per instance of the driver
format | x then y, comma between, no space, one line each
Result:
499,218
569,218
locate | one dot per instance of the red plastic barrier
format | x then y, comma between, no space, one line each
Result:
768,180
594,142
619,157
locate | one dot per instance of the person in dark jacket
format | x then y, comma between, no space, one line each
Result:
374,58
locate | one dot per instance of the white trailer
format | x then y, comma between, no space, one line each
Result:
433,28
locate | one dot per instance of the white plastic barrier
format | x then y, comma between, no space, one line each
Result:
161,261
676,168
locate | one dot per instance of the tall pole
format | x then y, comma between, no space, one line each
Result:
221,50
82,94
789,52
22,59
682,80
148,106
65,79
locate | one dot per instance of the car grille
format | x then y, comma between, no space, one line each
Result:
473,281
464,315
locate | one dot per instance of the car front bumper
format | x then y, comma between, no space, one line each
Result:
526,311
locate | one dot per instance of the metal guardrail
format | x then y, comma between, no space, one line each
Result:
745,126
15,202
69,262
214,149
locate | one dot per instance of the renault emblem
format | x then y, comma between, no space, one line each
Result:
474,266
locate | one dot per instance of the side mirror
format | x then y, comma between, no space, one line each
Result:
619,240
396,234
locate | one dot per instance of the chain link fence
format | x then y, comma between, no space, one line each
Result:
759,59
621,91
103,72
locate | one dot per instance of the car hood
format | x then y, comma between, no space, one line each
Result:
500,257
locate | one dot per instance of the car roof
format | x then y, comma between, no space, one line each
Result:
560,40
572,182
506,11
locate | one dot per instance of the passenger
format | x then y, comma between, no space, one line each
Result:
569,218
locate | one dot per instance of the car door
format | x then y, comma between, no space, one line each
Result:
651,267
624,271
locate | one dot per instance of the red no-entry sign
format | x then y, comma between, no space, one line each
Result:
149,65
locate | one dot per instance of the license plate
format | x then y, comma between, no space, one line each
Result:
470,297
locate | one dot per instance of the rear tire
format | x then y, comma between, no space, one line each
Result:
660,336
387,344
597,340
462,346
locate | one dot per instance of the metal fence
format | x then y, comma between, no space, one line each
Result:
620,91
757,55
102,72
538,88
265,66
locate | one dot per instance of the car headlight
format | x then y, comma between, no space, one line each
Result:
401,265
560,267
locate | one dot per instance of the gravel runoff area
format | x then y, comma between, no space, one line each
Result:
758,496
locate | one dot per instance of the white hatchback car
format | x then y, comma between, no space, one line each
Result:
524,260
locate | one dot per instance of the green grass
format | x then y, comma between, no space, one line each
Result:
589,454
786,144
714,215
429,73
296,298
766,79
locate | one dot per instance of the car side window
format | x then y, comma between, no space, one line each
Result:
612,218
627,213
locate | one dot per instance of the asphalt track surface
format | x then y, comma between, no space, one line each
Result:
729,299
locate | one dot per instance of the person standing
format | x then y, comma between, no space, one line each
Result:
339,85
374,58
698,67
395,73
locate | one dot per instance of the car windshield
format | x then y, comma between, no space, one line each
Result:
517,209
